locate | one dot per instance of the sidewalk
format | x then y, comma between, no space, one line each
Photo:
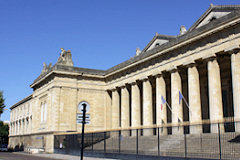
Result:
62,156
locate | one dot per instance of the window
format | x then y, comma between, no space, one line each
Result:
41,112
157,44
45,111
213,18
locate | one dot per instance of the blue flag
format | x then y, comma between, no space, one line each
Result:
180,97
163,100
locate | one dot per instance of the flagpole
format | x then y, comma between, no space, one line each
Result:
170,108
186,103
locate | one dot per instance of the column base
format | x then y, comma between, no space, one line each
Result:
147,132
114,134
134,133
237,126
125,133
214,128
177,130
196,129
163,131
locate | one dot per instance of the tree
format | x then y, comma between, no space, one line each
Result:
2,105
3,133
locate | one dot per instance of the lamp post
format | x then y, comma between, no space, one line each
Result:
83,124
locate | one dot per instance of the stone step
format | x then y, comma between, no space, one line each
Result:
173,144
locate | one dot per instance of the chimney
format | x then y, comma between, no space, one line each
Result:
183,30
138,51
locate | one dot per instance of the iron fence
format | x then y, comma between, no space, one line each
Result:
171,141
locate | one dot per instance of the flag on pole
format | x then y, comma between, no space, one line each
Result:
163,122
163,102
179,121
180,97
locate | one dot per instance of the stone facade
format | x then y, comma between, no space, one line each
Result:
202,64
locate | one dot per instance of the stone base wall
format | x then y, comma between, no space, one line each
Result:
25,142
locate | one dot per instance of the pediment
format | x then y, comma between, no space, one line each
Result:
212,16
214,12
158,40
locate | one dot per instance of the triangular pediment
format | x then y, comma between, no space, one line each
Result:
214,12
158,40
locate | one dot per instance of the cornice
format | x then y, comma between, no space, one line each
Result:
192,36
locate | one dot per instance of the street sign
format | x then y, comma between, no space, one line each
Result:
80,118
80,122
80,107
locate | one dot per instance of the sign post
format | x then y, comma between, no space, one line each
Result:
83,124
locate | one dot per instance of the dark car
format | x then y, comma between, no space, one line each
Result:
3,147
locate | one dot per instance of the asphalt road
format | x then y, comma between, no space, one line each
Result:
16,156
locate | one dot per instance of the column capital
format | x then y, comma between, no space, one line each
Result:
232,50
144,79
112,89
133,83
209,57
122,86
160,74
190,64
173,69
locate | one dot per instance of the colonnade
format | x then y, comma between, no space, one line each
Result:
21,126
124,102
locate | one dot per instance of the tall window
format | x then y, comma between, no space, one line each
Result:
45,111
41,112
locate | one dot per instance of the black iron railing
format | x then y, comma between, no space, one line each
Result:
175,141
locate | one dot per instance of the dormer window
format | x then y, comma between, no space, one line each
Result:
157,44
213,18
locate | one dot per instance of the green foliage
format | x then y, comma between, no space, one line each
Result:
4,130
2,105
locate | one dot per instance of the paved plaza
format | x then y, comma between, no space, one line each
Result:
26,156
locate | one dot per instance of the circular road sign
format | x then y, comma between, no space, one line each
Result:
80,106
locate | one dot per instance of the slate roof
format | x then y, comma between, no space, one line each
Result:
212,7
22,101
173,40
158,36
57,67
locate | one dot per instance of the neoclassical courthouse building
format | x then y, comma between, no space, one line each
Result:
201,63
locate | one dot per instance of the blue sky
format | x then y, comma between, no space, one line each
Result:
100,34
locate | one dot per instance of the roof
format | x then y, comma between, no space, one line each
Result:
214,8
158,36
173,41
22,101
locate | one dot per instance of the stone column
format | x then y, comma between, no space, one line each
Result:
161,109
177,109
115,109
135,113
15,128
235,64
125,110
19,127
195,113
23,126
27,127
215,95
10,129
30,124
147,107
